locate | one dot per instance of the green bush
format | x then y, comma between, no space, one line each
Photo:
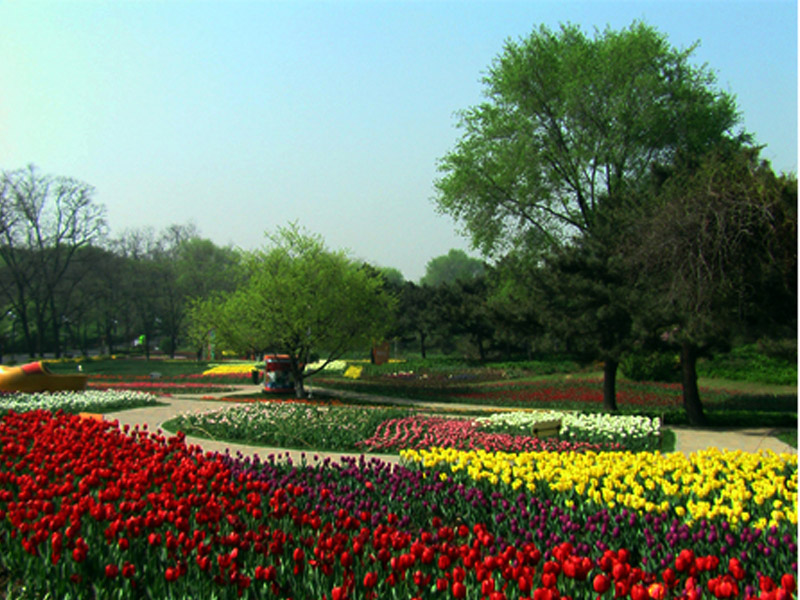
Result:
751,363
653,366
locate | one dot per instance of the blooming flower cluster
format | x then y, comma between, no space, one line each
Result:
287,424
74,402
333,366
87,510
417,432
163,388
632,432
740,488
232,369
353,371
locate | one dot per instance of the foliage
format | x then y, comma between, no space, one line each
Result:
451,268
749,363
651,366
570,121
718,245
45,223
719,253
301,299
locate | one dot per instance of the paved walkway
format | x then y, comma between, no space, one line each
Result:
687,439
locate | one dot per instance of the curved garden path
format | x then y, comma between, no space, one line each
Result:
687,439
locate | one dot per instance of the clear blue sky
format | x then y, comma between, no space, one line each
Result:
243,116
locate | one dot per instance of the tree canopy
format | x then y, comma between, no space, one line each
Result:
569,121
718,250
451,267
301,299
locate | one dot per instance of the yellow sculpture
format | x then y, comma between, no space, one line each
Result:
36,377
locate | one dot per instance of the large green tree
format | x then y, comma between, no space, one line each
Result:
569,121
302,299
571,129
719,253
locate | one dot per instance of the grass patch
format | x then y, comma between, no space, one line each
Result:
129,367
667,440
788,436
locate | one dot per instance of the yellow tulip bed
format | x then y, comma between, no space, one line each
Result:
735,487
231,369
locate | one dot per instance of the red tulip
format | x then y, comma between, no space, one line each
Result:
639,592
600,583
370,580
459,590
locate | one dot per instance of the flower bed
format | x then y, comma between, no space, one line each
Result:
417,432
576,392
162,388
737,488
330,426
572,393
288,424
238,369
628,431
75,402
89,511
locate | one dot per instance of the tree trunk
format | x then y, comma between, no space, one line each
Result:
297,375
610,384
481,349
422,348
691,395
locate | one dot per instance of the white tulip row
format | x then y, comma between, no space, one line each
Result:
625,429
83,401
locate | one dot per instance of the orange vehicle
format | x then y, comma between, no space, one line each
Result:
36,377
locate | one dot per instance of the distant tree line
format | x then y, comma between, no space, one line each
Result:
66,286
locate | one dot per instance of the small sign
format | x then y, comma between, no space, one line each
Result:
380,353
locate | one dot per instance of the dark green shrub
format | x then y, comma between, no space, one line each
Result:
751,363
652,366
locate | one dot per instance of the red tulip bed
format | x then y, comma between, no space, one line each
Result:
584,392
184,384
573,393
91,511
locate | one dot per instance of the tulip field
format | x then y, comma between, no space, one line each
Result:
90,509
